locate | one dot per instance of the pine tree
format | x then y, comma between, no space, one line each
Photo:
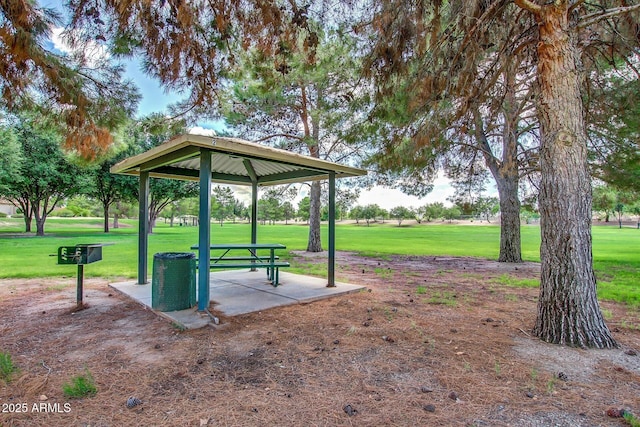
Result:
87,93
459,51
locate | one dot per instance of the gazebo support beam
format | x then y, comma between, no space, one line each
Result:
254,212
143,227
204,230
254,199
331,259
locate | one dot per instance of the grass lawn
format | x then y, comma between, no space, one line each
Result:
616,251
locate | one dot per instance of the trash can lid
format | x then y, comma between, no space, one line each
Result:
174,255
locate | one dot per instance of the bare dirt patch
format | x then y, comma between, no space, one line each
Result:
433,341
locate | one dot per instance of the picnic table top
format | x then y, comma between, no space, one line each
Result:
244,246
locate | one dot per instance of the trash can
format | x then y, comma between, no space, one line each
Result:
173,284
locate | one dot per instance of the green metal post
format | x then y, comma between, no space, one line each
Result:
331,273
254,202
143,227
254,199
79,282
254,212
204,230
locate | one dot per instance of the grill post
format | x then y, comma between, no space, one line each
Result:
80,283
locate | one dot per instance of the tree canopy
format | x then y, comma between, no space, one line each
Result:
190,46
44,175
84,87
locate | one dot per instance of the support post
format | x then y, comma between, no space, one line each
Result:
254,202
204,230
254,212
254,199
79,283
143,227
331,273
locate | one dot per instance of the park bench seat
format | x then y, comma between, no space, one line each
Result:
249,265
275,278
253,261
243,258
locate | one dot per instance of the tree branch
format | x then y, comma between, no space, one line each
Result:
279,135
596,17
575,5
483,144
529,5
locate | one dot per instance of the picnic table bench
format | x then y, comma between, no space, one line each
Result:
252,261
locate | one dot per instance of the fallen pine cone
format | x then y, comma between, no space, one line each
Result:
350,410
132,402
616,413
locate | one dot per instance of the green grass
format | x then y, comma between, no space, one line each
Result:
616,251
384,273
80,386
7,368
508,280
631,419
443,298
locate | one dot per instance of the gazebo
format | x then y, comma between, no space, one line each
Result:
229,161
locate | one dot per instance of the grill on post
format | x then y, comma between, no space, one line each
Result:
81,254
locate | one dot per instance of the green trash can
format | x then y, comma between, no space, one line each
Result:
173,284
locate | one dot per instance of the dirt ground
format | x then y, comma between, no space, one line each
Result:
433,341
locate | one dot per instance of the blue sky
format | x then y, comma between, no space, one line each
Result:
154,98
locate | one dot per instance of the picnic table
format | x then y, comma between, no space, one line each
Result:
253,260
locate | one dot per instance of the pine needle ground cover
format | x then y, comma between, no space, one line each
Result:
434,340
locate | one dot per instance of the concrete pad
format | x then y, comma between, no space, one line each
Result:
236,292
188,319
139,293
238,299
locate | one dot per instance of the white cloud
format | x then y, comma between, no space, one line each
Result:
388,198
58,42
91,52
198,130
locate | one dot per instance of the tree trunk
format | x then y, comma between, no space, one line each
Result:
510,245
27,223
25,206
105,210
40,226
315,242
115,220
568,310
40,219
505,172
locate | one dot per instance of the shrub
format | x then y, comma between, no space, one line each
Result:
63,213
80,386
7,368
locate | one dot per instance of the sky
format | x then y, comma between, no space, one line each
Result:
156,100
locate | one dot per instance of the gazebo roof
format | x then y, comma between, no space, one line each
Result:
233,161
